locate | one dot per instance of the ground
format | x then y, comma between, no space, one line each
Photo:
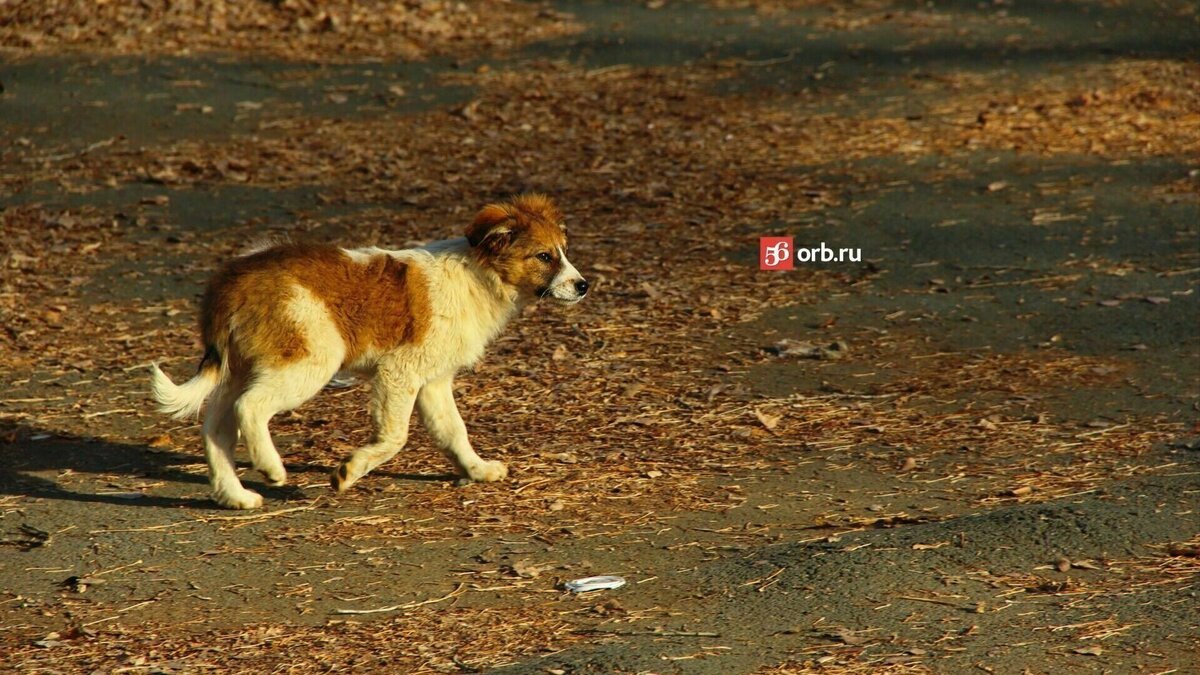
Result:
977,447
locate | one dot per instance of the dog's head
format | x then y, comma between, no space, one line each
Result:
525,243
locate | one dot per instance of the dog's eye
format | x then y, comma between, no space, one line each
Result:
545,257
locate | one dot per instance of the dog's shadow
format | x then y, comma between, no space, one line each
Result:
36,462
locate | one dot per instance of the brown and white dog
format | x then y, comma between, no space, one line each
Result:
279,323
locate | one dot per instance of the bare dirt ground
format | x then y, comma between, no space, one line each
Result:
978,448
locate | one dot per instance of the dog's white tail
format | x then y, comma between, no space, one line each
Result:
184,400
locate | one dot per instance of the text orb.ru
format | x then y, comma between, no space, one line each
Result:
781,253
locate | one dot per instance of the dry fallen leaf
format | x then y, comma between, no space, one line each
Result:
847,637
832,351
160,441
768,420
527,569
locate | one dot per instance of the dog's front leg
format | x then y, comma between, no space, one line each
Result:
445,425
391,408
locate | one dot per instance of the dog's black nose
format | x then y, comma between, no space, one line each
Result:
581,287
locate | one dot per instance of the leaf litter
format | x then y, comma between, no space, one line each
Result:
635,372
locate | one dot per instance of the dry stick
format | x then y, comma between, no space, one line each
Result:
102,413
140,604
936,601
1026,282
1175,273
80,153
1099,432
766,62
661,633
115,569
411,605
262,516
532,483
151,528
607,70
462,666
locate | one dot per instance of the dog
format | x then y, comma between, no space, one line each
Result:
277,324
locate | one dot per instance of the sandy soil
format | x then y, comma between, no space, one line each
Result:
996,467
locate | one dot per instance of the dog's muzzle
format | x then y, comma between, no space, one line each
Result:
568,285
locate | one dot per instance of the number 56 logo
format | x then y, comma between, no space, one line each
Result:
775,253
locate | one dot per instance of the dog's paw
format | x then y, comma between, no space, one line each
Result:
342,477
244,499
487,471
275,477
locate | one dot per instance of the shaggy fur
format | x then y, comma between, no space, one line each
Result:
279,323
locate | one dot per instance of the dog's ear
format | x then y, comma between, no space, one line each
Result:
490,229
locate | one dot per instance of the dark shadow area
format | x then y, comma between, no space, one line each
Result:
27,451
147,105
791,52
889,572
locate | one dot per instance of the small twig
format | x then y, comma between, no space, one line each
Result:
80,153
620,68
1026,282
108,412
791,54
261,516
464,667
657,632
532,483
33,400
140,604
936,601
764,580
1099,432
151,528
411,605
1175,273
115,569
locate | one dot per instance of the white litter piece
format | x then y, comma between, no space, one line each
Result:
594,584
342,380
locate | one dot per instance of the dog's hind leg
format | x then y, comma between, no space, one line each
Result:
220,433
445,424
270,392
392,400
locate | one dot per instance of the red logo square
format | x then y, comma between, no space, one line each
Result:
775,253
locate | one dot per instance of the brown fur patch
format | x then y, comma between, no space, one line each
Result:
508,236
377,305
